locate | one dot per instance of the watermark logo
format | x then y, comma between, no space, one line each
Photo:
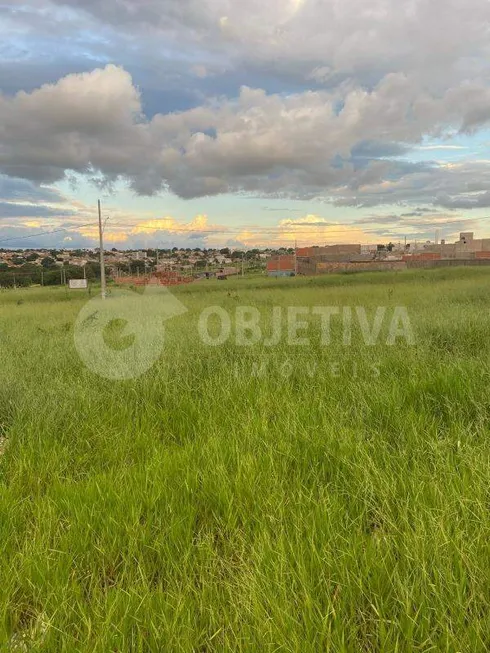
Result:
122,336
293,325
281,370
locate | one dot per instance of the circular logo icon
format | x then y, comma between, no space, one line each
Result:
122,336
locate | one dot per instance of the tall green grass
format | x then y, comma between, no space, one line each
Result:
206,507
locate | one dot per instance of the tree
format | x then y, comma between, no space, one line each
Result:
6,279
51,277
47,262
31,273
92,270
137,265
73,271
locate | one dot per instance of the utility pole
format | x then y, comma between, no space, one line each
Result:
42,278
102,262
295,258
243,264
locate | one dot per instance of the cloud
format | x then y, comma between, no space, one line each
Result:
416,226
374,220
442,147
323,38
418,212
74,124
15,210
200,71
283,209
384,76
462,185
15,189
153,230
300,145
199,225
303,231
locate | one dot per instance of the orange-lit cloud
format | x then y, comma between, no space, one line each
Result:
121,227
33,224
92,232
170,225
307,230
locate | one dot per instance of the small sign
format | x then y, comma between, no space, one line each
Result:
78,284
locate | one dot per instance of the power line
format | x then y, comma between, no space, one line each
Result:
46,233
182,232
259,230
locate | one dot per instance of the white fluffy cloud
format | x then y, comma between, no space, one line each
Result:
81,121
297,145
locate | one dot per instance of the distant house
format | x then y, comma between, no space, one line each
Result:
466,247
281,266
228,271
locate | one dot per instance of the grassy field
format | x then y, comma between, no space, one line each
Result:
285,498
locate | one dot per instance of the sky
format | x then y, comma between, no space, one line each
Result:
243,123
